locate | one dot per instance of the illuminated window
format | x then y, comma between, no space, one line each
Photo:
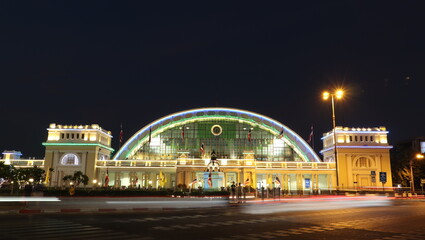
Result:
70,159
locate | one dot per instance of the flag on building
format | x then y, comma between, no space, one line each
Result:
277,181
247,181
150,134
210,180
162,179
202,148
310,138
107,178
121,136
183,134
249,135
280,134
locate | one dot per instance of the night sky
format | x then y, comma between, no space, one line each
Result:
132,63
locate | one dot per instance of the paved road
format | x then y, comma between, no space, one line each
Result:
93,204
399,220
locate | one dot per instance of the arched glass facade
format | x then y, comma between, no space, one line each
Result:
228,138
231,133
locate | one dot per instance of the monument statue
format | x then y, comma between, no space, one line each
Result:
213,177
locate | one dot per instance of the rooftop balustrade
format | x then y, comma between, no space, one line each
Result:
22,163
224,163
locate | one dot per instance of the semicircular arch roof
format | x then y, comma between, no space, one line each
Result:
180,118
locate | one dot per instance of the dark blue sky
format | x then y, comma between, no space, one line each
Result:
111,62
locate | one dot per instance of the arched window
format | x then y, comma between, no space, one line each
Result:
70,159
363,162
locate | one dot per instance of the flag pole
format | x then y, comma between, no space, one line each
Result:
311,138
121,136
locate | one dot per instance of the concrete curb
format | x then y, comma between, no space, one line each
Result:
93,210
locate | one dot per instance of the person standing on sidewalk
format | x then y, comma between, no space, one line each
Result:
233,189
239,191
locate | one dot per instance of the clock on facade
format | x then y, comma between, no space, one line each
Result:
216,130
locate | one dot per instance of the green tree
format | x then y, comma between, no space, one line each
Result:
401,155
7,172
25,174
67,178
77,178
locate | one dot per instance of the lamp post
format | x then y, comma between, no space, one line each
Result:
338,95
412,182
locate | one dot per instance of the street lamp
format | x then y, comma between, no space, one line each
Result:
338,95
412,183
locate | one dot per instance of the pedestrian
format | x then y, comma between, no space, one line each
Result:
239,191
233,188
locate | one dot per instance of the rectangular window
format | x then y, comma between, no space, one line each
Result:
67,136
355,138
361,138
82,136
62,136
351,138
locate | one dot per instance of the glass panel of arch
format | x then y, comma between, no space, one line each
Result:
233,141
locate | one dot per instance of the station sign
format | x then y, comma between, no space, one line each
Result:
307,182
383,177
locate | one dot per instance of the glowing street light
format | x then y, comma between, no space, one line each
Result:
338,94
412,182
326,95
94,183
